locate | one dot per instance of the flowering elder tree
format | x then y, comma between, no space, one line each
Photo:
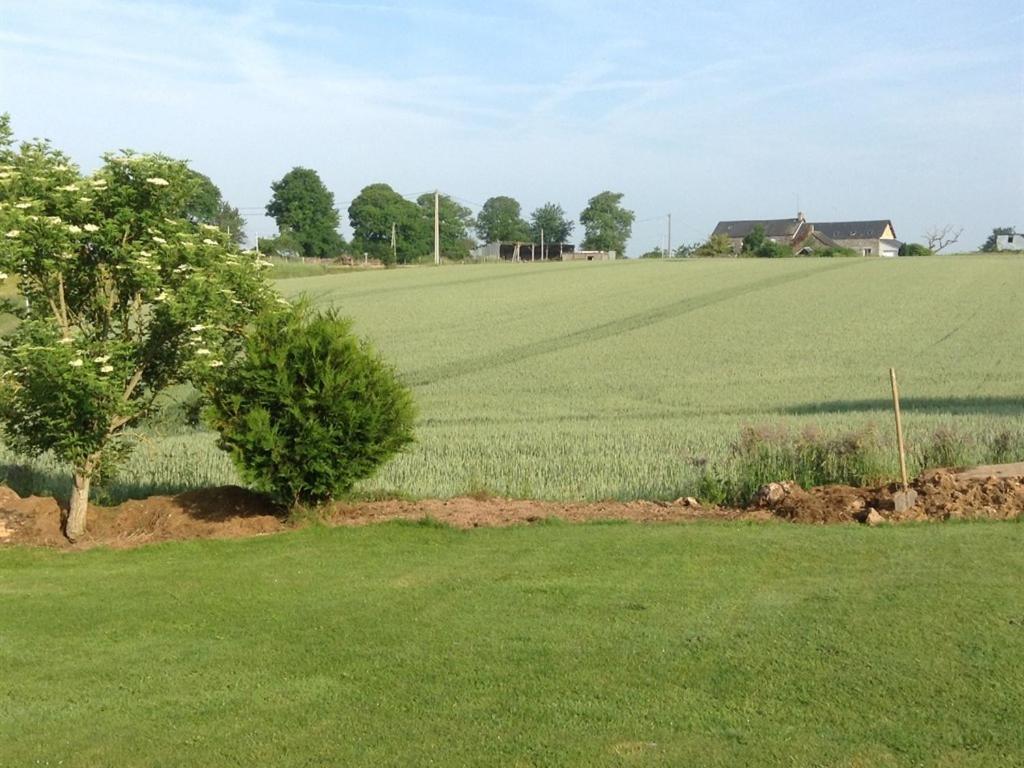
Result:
120,296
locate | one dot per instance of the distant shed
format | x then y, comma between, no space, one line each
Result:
589,256
1014,242
519,251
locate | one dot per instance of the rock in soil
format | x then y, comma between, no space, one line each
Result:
873,517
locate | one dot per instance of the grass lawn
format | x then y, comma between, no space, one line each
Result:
671,645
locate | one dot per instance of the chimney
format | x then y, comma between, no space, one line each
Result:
800,215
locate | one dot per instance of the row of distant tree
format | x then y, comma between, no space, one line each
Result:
391,228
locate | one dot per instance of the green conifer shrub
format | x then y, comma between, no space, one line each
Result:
309,409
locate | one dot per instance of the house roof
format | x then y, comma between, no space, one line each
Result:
854,230
812,238
772,227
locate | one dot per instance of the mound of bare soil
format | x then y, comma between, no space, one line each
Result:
497,512
224,512
994,494
228,512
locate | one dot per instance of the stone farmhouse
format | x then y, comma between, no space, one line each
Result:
868,238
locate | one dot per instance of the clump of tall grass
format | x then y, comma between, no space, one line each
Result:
859,457
950,447
946,447
1005,447
766,454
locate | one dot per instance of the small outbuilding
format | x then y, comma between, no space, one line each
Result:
1012,242
522,251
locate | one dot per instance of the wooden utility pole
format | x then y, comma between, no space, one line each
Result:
394,242
542,243
437,227
668,251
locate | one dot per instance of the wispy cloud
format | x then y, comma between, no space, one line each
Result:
704,109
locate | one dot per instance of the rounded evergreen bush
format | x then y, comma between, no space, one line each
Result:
309,409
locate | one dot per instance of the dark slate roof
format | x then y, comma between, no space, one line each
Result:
772,227
853,230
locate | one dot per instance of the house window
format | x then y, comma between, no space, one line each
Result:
867,251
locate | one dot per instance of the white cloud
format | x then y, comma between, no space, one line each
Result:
675,108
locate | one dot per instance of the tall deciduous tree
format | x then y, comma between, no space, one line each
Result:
455,221
378,208
122,296
500,220
208,206
550,218
304,207
608,225
754,239
715,246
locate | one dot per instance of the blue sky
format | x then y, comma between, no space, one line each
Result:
912,111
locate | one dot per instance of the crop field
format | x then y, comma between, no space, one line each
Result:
623,379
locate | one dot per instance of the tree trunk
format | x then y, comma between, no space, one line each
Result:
74,527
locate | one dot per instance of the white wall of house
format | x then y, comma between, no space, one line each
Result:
889,249
1013,242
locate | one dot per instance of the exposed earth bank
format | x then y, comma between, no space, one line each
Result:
995,493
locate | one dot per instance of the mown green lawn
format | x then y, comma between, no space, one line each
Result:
669,645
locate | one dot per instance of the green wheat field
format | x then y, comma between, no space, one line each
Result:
623,379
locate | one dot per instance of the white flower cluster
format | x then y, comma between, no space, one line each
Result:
103,360
156,181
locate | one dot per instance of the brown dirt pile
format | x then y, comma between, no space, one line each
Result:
225,512
941,495
497,512
230,512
